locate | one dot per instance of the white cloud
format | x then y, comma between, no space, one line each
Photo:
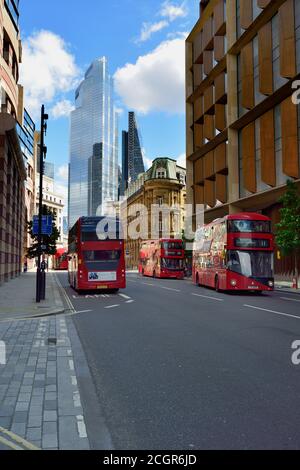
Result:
172,11
156,82
62,108
63,172
181,160
48,69
150,28
147,162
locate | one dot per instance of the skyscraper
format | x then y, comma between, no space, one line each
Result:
93,173
132,155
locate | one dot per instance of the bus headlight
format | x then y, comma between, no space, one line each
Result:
233,282
271,284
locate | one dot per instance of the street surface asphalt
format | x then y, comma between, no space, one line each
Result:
176,366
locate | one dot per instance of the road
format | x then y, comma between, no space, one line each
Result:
177,366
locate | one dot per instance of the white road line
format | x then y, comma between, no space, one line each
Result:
147,284
84,311
169,288
208,297
129,301
113,306
71,364
272,311
125,296
290,299
81,427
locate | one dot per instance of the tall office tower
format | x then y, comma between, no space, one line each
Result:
124,183
132,155
135,155
93,171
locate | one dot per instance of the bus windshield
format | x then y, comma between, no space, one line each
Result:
172,263
251,263
249,226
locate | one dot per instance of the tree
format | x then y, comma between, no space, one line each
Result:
288,229
48,241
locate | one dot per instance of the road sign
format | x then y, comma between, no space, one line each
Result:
46,225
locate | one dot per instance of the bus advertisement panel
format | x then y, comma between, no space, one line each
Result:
235,253
162,258
96,254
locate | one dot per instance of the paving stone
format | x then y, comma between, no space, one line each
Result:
50,415
50,405
22,406
49,441
5,422
6,411
35,421
36,411
34,434
24,397
51,388
19,429
20,417
50,427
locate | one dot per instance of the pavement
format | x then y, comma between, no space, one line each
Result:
17,298
160,365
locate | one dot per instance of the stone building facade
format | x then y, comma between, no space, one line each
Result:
162,185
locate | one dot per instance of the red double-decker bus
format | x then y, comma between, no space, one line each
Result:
60,260
162,258
96,254
235,253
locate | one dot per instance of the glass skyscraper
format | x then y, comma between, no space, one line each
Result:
93,169
132,155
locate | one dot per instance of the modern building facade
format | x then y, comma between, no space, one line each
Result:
13,171
243,130
93,143
132,155
164,184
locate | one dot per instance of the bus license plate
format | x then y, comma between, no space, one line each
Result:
104,276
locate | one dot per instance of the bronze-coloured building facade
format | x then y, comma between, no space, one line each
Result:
243,129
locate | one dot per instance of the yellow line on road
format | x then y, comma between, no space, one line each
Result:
17,439
9,444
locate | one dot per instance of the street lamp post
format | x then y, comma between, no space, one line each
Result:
40,275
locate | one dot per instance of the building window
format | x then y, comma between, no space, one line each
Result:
161,173
160,200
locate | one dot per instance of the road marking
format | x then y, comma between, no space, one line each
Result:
169,288
71,364
81,427
290,299
272,311
208,297
63,290
17,439
10,444
129,301
125,296
113,306
84,311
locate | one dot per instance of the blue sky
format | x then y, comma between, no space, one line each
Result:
143,40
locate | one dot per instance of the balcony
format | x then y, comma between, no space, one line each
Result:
12,7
